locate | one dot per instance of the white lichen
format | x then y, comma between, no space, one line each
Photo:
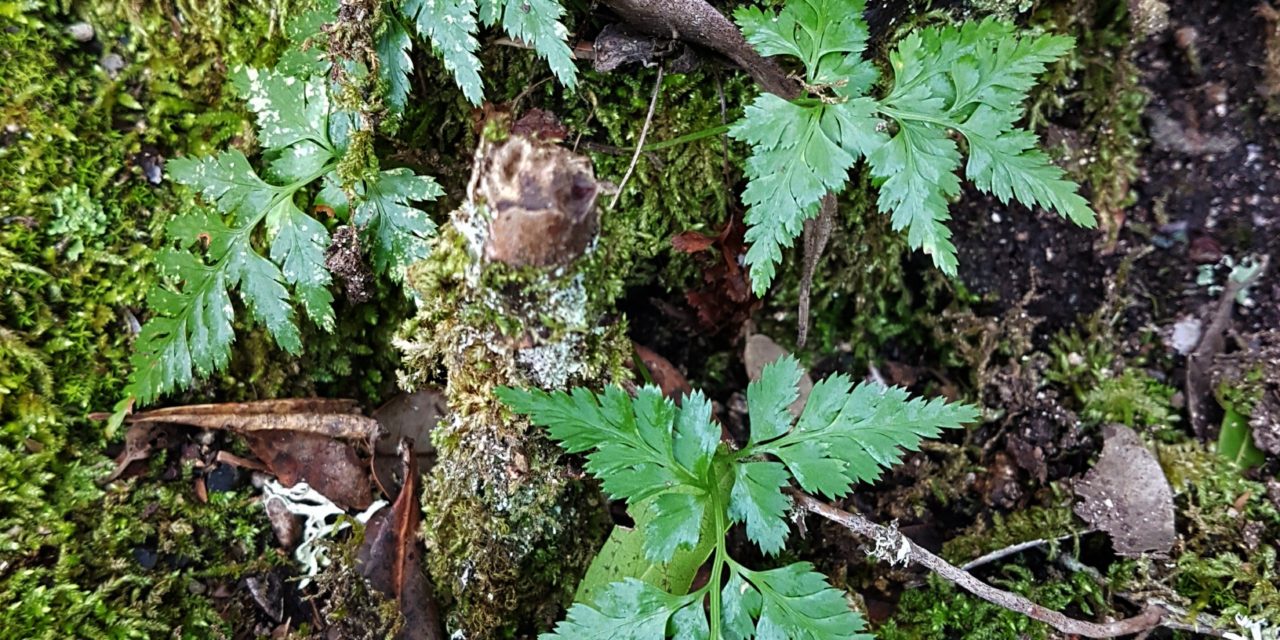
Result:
317,512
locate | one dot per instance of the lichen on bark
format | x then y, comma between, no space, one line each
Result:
509,527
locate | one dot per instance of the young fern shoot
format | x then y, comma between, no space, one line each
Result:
966,81
669,460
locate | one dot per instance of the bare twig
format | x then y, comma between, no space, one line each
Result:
644,132
903,549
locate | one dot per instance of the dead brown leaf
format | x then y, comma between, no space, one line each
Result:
1127,495
725,300
327,465
140,441
329,417
408,415
668,378
390,557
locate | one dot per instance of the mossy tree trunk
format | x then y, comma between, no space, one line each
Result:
509,527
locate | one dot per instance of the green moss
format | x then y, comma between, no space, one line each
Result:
1227,564
942,611
682,188
1132,398
1006,530
79,221
1098,88
68,555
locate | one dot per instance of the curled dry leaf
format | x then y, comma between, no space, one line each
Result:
332,418
1127,495
390,557
297,439
140,441
725,300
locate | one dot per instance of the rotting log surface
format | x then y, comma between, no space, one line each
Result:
509,528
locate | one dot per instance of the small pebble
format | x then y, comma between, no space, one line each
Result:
112,63
80,31
146,558
224,477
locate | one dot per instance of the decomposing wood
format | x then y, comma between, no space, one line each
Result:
895,546
507,527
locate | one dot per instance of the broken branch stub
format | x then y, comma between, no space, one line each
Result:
542,199
507,529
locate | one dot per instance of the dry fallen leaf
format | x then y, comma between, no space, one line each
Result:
408,415
673,383
332,418
1127,495
330,466
140,441
390,557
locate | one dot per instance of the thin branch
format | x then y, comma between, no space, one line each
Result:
644,132
902,549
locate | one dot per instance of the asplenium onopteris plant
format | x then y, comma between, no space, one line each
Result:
451,25
669,461
950,87
260,242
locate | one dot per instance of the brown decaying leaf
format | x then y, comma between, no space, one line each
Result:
327,465
390,557
140,441
668,378
1127,495
408,415
332,418
725,302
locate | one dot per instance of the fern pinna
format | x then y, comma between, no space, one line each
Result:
966,81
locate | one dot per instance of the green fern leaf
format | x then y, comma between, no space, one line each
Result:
627,610
395,66
642,448
970,80
299,247
797,602
450,25
537,23
395,233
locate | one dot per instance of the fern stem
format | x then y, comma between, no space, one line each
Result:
689,137
717,566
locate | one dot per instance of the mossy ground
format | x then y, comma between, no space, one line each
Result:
81,213
79,220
